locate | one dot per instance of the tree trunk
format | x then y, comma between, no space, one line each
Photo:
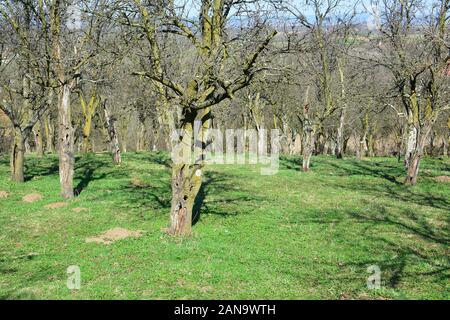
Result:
27,145
413,169
362,148
416,154
66,144
446,143
363,142
371,145
88,113
340,136
187,177
113,137
86,134
319,142
39,141
421,136
345,144
186,183
432,143
49,135
340,131
447,139
333,147
410,144
308,146
17,155
49,125
140,137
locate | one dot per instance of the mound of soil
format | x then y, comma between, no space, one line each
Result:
443,179
55,205
113,235
78,210
32,197
4,194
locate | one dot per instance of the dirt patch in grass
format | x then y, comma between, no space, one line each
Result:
32,197
55,205
78,210
113,235
4,194
443,179
137,182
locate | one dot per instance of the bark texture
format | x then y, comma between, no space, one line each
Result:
17,156
112,136
66,144
187,175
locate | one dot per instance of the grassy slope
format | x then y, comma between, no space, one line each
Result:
289,236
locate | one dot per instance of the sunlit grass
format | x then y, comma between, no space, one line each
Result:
289,236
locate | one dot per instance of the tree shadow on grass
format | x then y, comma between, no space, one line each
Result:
40,167
209,178
215,183
291,162
162,158
11,265
407,220
407,246
397,193
155,194
410,224
24,286
147,193
364,168
87,167
394,270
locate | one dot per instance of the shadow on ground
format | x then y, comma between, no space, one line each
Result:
40,167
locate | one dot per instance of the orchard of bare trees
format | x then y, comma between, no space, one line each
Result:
335,77
224,149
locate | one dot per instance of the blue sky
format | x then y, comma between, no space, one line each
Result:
361,6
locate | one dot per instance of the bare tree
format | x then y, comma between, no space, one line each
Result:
212,79
23,100
73,23
413,46
322,41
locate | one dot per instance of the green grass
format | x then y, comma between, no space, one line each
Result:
294,235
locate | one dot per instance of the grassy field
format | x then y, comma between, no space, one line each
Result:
294,235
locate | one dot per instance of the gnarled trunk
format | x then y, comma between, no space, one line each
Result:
113,137
187,175
413,169
362,148
416,154
186,183
66,144
410,144
17,155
